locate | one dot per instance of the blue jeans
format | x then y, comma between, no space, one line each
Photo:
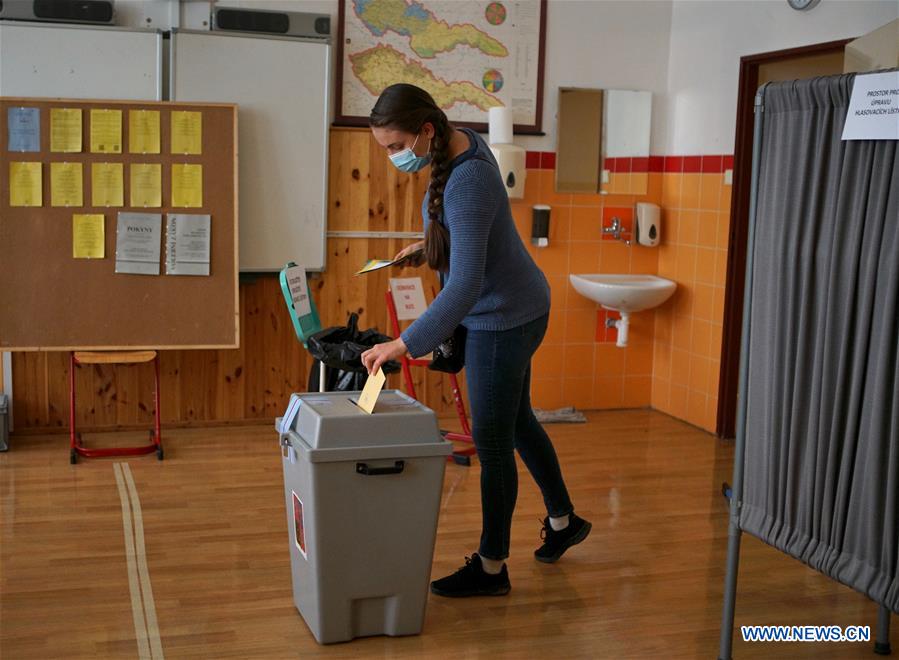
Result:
498,373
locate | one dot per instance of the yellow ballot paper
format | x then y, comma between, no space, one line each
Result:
143,131
106,131
371,391
187,185
146,185
25,184
66,184
88,236
187,132
65,130
106,184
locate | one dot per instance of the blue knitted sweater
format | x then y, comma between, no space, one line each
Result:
492,282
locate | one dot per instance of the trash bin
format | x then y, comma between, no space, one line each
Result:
362,494
341,348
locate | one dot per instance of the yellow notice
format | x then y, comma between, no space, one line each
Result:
372,391
88,236
187,185
143,131
65,130
25,184
106,131
107,187
187,132
146,185
66,184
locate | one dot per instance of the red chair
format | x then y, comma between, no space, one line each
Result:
130,358
460,456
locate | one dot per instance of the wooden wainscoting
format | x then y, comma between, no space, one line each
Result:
254,381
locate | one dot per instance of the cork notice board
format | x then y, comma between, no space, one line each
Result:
52,301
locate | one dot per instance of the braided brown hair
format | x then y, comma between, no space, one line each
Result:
407,108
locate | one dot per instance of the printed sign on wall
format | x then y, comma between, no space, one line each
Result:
408,297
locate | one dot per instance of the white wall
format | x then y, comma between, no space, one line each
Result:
611,44
707,41
604,44
686,52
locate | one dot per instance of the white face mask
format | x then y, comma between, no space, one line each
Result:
407,161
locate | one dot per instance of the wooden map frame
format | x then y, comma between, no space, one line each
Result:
342,119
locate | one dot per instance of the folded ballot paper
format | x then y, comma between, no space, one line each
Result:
371,391
378,264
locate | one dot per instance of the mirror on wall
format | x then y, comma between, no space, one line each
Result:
603,143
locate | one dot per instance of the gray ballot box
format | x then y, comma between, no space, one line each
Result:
363,495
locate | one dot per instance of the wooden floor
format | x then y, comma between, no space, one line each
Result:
647,582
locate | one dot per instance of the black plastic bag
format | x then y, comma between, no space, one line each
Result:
341,349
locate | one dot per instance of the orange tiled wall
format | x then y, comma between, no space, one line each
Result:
688,329
572,367
673,355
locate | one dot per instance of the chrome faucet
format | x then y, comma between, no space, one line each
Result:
615,230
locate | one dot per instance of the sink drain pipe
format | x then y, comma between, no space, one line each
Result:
621,325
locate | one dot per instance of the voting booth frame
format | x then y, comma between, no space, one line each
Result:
735,528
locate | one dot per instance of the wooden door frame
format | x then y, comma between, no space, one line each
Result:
739,225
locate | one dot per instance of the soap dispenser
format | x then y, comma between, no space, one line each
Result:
647,232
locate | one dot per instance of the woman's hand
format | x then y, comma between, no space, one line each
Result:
415,261
373,358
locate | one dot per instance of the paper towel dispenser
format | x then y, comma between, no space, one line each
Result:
510,158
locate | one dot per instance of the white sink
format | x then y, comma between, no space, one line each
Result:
624,293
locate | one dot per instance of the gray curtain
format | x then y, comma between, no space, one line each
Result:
822,429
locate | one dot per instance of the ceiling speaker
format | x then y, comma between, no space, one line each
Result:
97,12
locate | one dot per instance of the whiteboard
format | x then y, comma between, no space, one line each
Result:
80,62
281,87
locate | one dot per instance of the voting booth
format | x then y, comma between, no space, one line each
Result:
363,496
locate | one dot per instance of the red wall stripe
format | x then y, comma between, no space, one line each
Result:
674,164
692,164
705,163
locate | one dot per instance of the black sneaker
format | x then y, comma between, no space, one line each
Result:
472,580
556,543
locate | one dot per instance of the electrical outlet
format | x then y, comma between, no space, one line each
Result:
605,176
728,177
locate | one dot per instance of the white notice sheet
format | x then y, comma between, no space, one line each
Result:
138,243
187,244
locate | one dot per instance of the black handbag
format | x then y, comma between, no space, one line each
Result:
449,356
